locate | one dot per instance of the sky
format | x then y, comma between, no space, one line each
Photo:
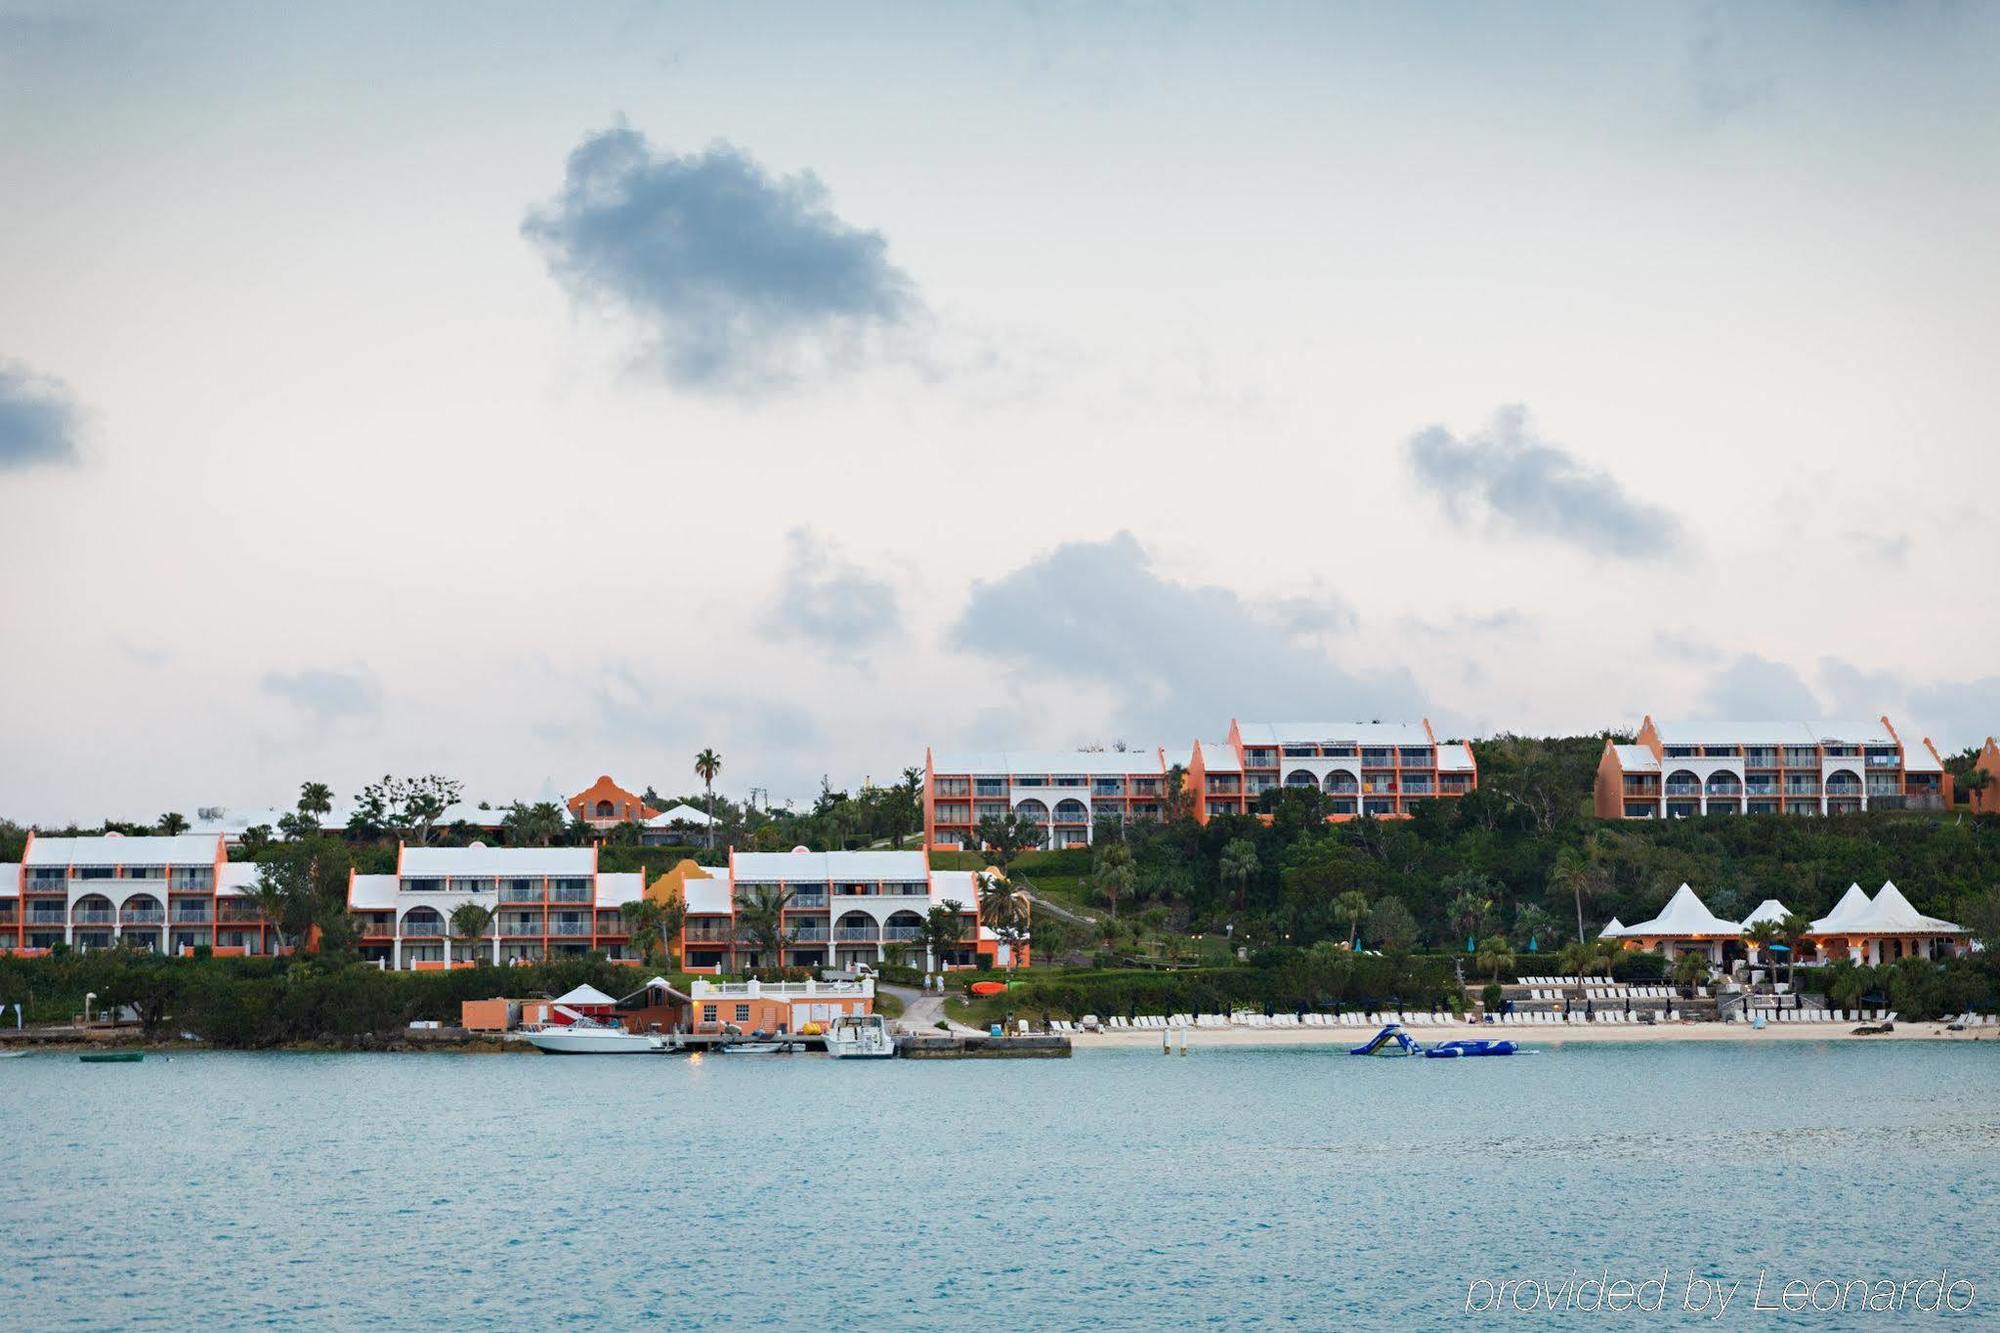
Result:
523,393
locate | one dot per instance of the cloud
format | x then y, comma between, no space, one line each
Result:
38,420
1181,659
325,696
1883,548
1754,688
1954,713
741,280
1723,77
825,599
1523,482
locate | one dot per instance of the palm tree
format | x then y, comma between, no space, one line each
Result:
1975,783
1691,968
1493,954
1763,935
273,904
943,931
1113,873
1239,867
642,926
1468,913
1608,953
535,825
1003,907
1574,875
673,919
1351,907
1794,929
1531,924
172,823
1579,958
469,924
762,917
1007,836
315,800
707,766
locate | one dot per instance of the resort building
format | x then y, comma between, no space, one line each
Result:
1869,931
1364,768
1985,798
1675,770
839,909
716,1007
604,804
679,825
1063,792
545,902
167,895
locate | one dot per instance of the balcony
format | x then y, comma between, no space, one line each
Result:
86,918
569,895
807,902
902,932
520,893
422,930
809,935
235,914
142,917
1885,761
183,917
48,919
516,929
1683,789
857,934
570,928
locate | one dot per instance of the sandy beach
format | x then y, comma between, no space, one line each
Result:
1552,1035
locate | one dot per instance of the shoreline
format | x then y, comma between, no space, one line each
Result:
1552,1035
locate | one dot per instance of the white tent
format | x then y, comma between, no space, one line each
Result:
680,814
585,995
1844,913
1685,915
1769,910
1891,914
1612,929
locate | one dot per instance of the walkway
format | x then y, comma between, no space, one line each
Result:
922,1010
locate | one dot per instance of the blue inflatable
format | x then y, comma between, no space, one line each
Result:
1455,1050
1391,1040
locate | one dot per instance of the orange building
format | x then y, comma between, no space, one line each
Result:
166,895
1063,792
1364,768
774,1007
1677,770
604,804
1986,800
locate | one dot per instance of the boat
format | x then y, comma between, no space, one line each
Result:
780,1047
587,1036
1465,1049
112,1057
860,1037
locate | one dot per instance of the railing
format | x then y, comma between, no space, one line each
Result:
516,929
902,932
47,919
707,937
202,883
569,895
1801,789
419,930
518,894
238,916
809,935
857,934
93,918
1761,788
807,902
156,917
569,927
951,787
193,919
1884,761
1683,789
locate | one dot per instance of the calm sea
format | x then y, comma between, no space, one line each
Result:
1118,1189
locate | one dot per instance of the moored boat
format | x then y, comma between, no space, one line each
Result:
112,1057
860,1037
588,1037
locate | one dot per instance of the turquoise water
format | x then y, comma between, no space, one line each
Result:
1119,1189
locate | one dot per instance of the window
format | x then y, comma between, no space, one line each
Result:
743,1013
708,1013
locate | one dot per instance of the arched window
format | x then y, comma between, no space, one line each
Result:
1682,782
1299,777
1724,784
142,909
422,921
604,809
1841,782
1344,783
1033,811
1071,812
93,909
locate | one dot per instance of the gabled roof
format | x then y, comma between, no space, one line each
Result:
615,889
1686,915
1455,757
10,879
1844,913
1892,914
1772,732
584,995
1636,759
112,850
429,862
1360,733
238,878
829,867
679,814
1612,929
1085,763
1219,757
1769,910
707,896
372,893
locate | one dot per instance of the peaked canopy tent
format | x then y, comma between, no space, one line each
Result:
1684,925
1885,929
1612,929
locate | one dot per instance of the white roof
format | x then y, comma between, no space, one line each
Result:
959,886
1455,758
1219,757
427,862
10,879
1139,759
584,995
238,878
1769,910
1696,732
829,867
679,814
707,896
1917,759
468,812
1685,914
186,850
1320,733
1636,759
617,889
1612,929
1844,913
372,893
1891,914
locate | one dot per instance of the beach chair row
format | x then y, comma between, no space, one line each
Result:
1972,1020
1246,1019
1813,1015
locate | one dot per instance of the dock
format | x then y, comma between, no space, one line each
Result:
951,1046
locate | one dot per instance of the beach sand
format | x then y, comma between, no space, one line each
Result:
1552,1035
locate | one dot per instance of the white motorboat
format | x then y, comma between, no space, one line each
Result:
588,1037
860,1037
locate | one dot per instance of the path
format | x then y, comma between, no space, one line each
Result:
922,1010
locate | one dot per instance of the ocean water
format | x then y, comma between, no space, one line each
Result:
1239,1188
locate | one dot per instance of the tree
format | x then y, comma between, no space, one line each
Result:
1114,873
1352,907
407,807
254,840
1391,926
1007,836
673,918
762,918
1579,958
172,824
469,924
642,926
1532,925
1976,781
943,932
316,800
1794,929
1239,866
1176,798
1469,910
1004,907
903,806
1763,934
1576,876
302,885
1493,954
707,767
1691,968
537,825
